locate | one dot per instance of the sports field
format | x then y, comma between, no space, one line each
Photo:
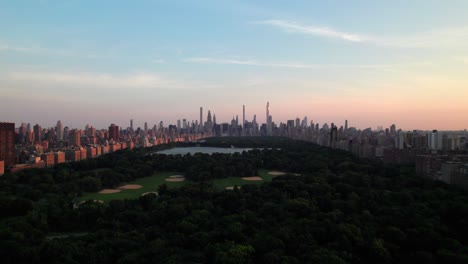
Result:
265,175
148,184
135,189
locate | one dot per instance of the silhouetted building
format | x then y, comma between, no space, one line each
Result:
434,140
37,133
75,138
201,120
114,133
333,135
7,143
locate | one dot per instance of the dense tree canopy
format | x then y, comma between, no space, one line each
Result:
341,210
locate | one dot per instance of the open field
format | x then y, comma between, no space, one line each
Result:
151,184
233,181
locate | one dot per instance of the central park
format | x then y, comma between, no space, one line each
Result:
280,201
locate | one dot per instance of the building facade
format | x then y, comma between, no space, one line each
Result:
7,143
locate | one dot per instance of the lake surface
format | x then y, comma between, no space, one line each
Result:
206,150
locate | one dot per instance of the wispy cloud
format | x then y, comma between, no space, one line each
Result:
46,51
294,27
92,79
454,36
4,47
160,61
446,37
227,61
85,80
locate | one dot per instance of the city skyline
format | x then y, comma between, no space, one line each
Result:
375,64
133,123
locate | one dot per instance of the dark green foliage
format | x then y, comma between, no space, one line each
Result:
341,210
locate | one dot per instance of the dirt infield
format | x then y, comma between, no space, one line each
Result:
146,193
179,178
254,178
130,187
108,191
276,173
176,176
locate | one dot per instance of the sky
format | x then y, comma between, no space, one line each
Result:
373,63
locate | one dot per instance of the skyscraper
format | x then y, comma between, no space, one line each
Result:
392,129
131,125
179,126
66,134
269,120
114,132
305,122
434,140
243,117
201,119
333,135
254,125
22,133
37,133
91,131
59,130
7,143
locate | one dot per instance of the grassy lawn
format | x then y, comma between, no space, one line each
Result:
233,181
150,184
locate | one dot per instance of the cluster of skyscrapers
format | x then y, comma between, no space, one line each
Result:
33,146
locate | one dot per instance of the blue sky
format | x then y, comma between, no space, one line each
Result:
371,62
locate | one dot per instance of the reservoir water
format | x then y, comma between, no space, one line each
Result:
206,150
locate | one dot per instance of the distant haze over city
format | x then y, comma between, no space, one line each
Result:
103,121
102,62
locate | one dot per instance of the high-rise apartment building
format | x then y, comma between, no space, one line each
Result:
22,133
91,132
59,130
7,143
434,140
37,133
75,138
114,132
2,167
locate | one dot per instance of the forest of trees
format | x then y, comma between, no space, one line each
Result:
341,210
